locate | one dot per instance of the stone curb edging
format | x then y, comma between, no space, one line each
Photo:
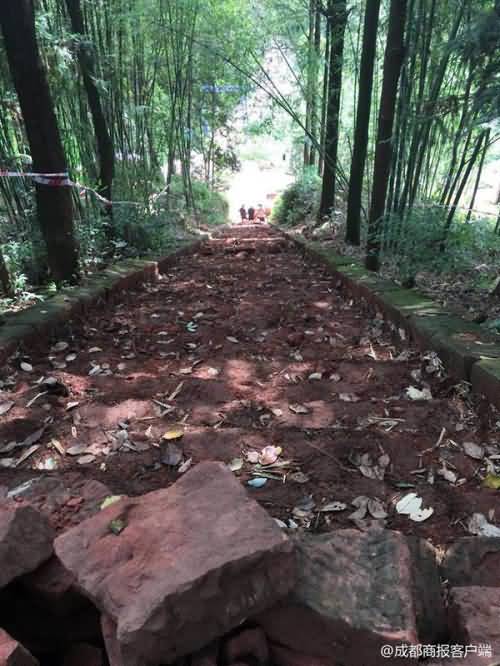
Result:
43,320
466,350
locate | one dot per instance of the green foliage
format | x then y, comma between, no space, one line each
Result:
299,202
210,207
421,243
152,229
26,256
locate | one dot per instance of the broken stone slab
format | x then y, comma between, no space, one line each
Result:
178,567
53,496
357,591
472,561
13,653
474,622
25,540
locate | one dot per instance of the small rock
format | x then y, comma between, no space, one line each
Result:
25,541
13,653
249,643
74,501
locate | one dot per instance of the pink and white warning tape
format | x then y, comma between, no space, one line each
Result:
54,179
61,180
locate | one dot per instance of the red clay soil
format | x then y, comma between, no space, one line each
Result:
224,347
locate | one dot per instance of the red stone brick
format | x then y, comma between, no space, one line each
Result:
190,563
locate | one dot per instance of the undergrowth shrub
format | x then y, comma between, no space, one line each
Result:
211,207
299,202
141,230
420,242
148,229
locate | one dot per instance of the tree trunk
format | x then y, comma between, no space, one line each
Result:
322,129
478,177
337,18
314,87
463,183
419,148
353,225
54,204
104,143
393,60
309,90
4,276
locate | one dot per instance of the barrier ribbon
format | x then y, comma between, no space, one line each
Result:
62,180
4,173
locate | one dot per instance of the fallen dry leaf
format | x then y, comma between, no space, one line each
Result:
172,455
27,454
447,474
492,481
269,454
479,526
376,509
299,409
252,456
176,391
349,397
361,504
473,450
414,393
236,464
410,505
5,407
59,347
173,434
185,466
315,376
34,437
76,450
333,507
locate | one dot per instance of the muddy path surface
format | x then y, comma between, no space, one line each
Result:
241,346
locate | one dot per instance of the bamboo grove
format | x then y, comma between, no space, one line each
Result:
395,109
129,91
409,110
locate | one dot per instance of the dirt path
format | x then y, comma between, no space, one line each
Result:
246,345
